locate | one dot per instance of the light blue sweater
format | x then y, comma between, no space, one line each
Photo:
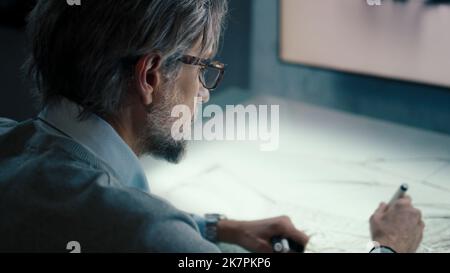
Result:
54,190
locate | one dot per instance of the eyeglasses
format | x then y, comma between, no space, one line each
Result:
211,72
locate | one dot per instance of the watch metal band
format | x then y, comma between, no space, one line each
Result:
211,225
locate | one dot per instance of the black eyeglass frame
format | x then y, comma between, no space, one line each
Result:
206,63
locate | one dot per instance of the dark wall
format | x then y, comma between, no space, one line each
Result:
13,12
236,45
15,99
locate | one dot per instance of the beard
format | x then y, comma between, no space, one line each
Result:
156,138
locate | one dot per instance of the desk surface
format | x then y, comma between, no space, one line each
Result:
329,174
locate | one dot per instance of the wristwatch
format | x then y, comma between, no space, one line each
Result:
211,225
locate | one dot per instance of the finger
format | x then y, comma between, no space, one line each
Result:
381,208
420,238
418,214
422,225
264,246
406,198
280,225
298,236
403,201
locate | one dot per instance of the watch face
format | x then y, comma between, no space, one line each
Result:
211,225
214,218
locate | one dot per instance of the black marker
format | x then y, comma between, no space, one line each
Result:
399,194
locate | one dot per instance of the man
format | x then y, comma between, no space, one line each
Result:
108,74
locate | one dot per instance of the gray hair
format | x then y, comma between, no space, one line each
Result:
88,53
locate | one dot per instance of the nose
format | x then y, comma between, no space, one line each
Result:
204,94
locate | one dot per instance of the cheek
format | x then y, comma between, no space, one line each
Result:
189,87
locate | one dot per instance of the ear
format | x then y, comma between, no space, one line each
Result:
147,77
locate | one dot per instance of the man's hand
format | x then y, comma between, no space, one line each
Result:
255,236
399,226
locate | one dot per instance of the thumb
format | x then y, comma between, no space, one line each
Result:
382,208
